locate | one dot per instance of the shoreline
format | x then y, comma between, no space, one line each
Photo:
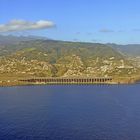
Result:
10,82
65,84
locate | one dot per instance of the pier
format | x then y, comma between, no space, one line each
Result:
63,81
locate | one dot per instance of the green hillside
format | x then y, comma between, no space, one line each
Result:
129,50
58,49
47,58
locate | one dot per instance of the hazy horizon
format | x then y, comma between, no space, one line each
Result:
47,38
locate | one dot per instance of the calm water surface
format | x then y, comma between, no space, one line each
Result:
70,112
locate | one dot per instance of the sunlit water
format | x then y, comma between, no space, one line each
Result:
70,112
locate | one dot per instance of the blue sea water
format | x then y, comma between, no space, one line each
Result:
107,112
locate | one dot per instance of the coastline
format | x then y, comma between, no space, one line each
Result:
116,81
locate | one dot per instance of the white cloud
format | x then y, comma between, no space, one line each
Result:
21,25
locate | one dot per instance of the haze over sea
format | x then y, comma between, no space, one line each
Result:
107,112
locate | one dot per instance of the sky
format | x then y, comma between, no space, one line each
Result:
104,21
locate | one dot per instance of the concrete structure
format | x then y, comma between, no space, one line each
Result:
95,80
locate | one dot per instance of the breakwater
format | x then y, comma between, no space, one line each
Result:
95,80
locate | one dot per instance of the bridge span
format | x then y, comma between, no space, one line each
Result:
64,80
